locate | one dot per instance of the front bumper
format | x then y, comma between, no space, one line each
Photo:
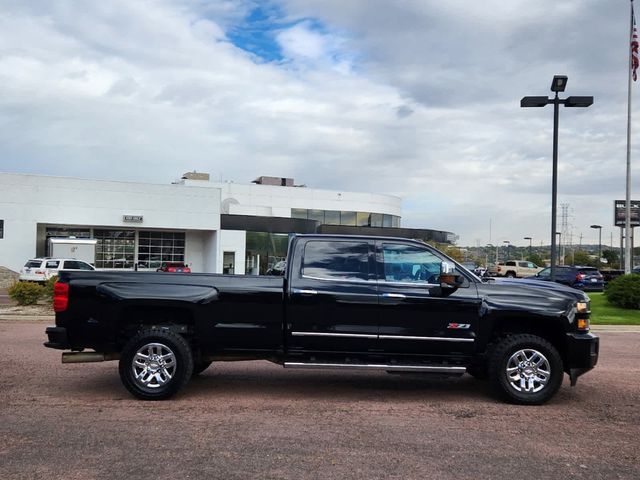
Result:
58,338
582,354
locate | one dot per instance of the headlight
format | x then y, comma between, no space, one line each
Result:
582,323
582,307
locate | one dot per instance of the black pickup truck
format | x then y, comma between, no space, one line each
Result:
380,303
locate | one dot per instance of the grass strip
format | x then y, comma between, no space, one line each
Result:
603,313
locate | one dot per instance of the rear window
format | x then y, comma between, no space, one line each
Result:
589,271
33,264
336,260
76,265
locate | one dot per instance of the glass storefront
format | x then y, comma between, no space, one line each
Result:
121,249
155,247
359,219
115,248
264,251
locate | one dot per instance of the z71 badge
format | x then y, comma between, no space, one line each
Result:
459,326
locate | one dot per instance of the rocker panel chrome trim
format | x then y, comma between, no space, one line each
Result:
403,368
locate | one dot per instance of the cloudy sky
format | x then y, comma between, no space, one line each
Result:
414,98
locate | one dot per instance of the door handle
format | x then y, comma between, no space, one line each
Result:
393,295
305,292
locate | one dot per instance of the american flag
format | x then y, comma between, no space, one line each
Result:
635,59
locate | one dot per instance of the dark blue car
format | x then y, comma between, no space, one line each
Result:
582,278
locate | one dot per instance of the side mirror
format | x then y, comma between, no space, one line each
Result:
448,276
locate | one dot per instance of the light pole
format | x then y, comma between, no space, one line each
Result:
508,243
530,240
599,228
558,84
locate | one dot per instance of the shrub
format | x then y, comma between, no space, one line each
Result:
26,293
48,288
624,291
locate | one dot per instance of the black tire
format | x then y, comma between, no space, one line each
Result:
510,275
200,367
478,372
535,369
166,371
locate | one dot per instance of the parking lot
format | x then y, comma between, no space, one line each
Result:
257,420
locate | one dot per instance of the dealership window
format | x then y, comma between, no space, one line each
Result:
299,213
263,252
156,247
115,248
348,218
1,228
317,215
360,219
331,217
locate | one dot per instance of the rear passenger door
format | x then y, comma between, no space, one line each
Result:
333,298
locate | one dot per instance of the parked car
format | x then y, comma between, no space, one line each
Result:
515,269
636,269
174,267
42,269
611,274
582,278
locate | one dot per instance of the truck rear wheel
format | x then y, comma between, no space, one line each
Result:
155,364
525,369
200,367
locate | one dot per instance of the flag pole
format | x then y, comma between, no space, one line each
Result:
627,228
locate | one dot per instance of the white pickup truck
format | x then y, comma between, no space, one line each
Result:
514,269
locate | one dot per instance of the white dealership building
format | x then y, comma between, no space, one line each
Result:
211,226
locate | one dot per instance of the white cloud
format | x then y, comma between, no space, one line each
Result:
418,99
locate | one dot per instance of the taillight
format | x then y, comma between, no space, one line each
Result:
499,269
60,296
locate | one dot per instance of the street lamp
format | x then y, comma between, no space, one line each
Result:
558,84
530,240
599,227
508,243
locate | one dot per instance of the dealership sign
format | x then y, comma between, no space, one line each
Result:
132,218
620,210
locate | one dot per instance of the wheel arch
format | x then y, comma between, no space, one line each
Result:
134,318
550,329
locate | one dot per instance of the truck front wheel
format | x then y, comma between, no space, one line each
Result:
525,369
155,364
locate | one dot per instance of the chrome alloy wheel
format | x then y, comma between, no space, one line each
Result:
528,371
154,364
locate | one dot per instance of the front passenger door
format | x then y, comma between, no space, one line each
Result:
416,316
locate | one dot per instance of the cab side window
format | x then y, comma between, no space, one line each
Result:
52,264
546,273
334,260
409,263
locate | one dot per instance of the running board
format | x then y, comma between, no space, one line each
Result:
371,366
